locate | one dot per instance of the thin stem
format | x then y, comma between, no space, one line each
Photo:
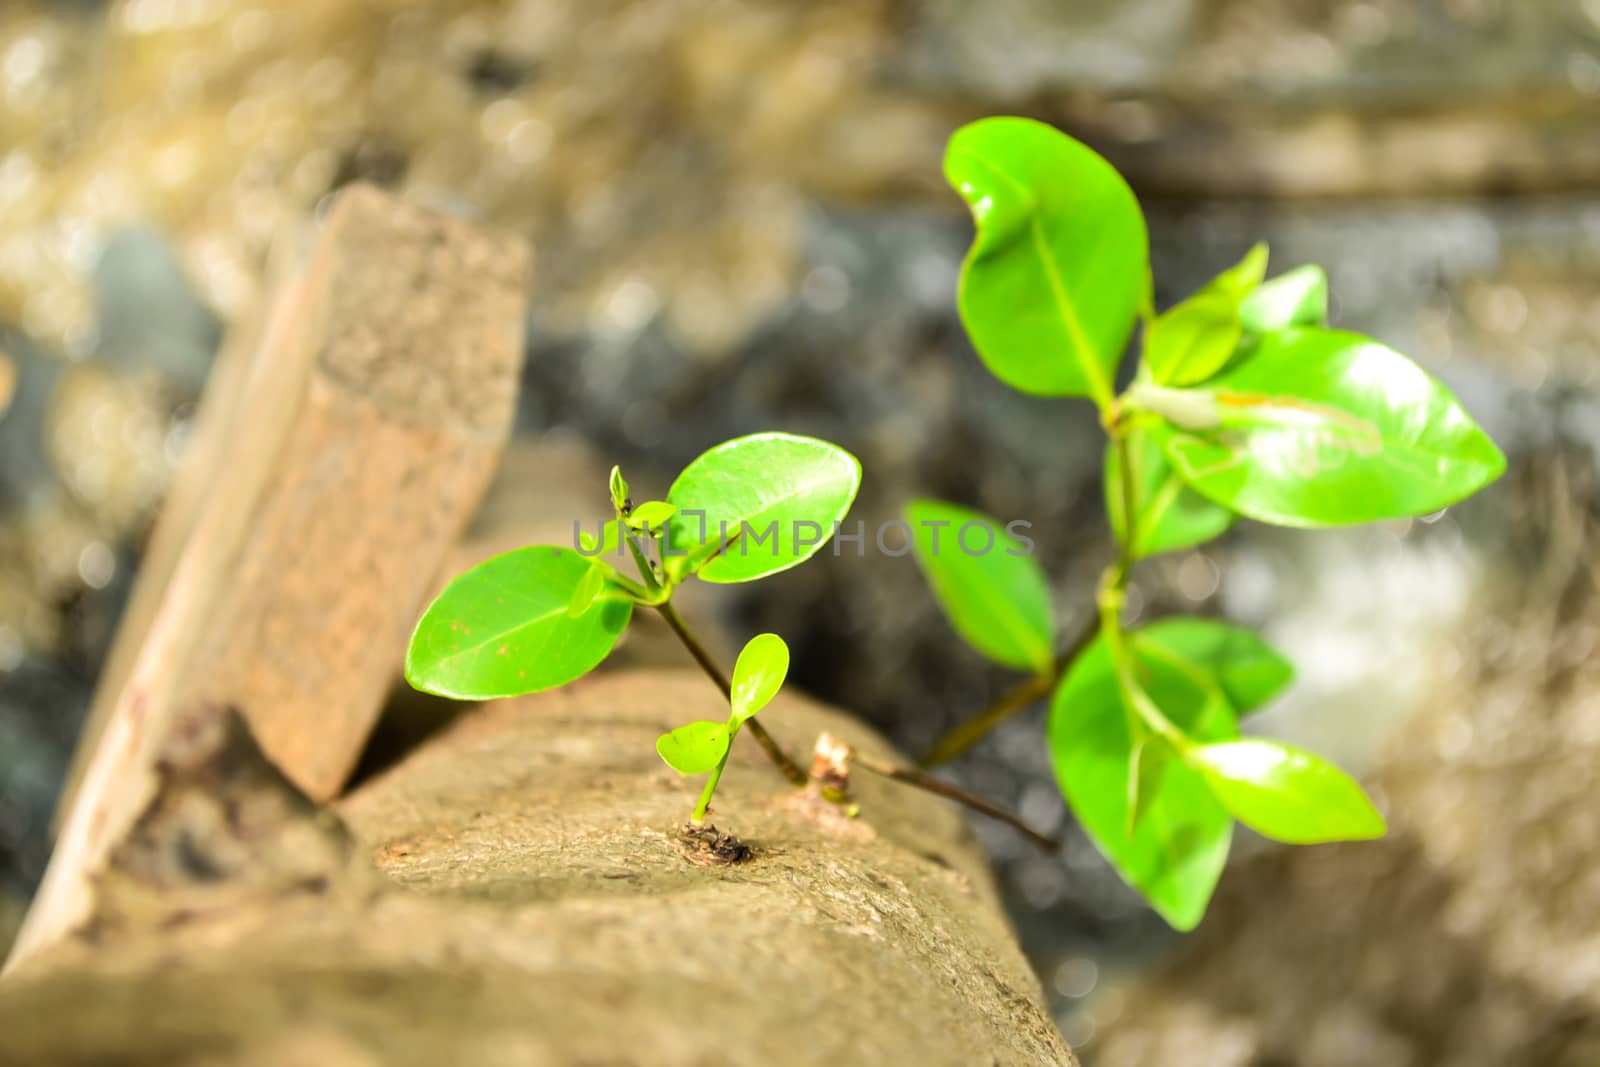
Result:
1007,704
1113,593
712,779
790,769
1113,583
1145,712
933,785
1130,515
646,571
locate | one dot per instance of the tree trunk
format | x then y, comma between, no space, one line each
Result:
521,890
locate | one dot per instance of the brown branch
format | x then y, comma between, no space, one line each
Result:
931,784
1007,704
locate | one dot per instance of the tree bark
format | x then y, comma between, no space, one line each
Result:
521,889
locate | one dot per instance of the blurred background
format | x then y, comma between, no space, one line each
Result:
739,223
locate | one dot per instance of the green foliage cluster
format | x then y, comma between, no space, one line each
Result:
545,615
1243,403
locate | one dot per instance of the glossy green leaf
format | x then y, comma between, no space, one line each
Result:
1059,269
651,515
758,674
502,628
991,589
1171,515
1178,844
696,748
776,496
1286,793
1247,670
1325,428
1192,341
1295,298
588,590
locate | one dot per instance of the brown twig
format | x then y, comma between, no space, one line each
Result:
931,784
1007,704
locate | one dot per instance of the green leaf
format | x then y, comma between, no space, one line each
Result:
1192,341
619,490
1248,671
1171,515
1295,298
1059,269
589,588
1325,428
1178,844
992,590
758,674
1150,760
696,748
652,514
778,496
502,628
1286,793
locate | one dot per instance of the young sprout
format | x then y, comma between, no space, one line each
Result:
702,747
619,492
542,616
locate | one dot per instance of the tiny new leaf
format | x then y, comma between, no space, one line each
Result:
1295,298
1286,793
992,590
619,490
758,674
696,748
775,497
651,515
1192,341
504,627
1325,428
1059,269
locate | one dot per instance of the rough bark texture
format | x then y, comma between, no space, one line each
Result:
535,902
341,456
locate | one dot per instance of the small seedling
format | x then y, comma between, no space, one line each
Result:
1243,404
542,616
702,747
